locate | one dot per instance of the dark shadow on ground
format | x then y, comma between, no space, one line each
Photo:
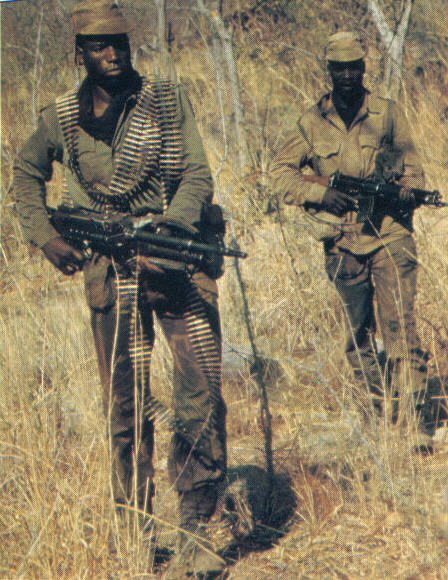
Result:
257,508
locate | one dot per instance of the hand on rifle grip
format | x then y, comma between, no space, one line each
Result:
337,202
64,257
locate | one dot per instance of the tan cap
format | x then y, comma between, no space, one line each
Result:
345,47
99,17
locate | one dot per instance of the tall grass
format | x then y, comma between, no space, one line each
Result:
366,506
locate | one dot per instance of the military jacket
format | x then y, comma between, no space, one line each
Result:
33,168
322,144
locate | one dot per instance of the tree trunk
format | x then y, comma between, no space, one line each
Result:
224,61
37,69
167,68
394,42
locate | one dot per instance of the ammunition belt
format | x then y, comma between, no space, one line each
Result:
151,146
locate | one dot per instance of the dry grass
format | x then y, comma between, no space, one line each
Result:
366,507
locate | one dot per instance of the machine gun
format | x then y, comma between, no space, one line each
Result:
371,194
124,237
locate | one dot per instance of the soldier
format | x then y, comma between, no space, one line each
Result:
359,133
130,145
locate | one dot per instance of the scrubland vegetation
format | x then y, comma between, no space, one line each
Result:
364,505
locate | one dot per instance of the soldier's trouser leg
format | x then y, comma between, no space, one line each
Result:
394,272
190,321
390,275
351,276
192,328
123,394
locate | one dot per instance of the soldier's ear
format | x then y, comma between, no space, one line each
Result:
79,55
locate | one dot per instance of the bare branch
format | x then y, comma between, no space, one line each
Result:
393,41
380,22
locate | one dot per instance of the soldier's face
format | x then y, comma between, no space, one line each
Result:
347,77
105,57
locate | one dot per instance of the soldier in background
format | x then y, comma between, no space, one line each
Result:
359,133
121,156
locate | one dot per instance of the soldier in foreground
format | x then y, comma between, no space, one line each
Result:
130,146
358,133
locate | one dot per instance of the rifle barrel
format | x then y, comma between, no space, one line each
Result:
184,244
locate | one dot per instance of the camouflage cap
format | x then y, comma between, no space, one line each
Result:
99,17
345,47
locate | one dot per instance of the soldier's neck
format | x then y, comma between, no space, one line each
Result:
348,104
105,91
101,100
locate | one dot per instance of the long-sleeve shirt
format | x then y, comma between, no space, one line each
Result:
322,144
33,168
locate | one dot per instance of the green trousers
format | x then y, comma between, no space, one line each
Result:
123,328
389,277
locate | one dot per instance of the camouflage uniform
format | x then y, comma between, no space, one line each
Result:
364,260
181,300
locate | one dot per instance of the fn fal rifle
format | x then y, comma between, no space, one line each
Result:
124,237
371,194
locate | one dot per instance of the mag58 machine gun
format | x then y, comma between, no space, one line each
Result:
124,237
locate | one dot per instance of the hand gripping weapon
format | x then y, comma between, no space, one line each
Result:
123,237
368,191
